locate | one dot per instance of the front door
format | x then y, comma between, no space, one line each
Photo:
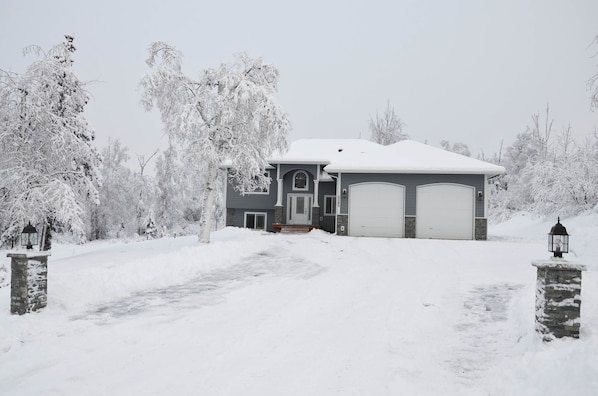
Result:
299,208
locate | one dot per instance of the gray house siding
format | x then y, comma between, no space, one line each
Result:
234,199
237,204
411,181
236,217
288,171
327,222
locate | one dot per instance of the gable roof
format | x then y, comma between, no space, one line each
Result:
322,151
364,156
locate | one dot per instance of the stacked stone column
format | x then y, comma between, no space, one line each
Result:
29,281
558,298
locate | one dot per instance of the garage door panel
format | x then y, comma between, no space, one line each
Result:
445,211
376,209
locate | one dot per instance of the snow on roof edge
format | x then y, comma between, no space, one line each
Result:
364,156
405,170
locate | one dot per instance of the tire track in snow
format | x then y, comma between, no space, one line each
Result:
208,288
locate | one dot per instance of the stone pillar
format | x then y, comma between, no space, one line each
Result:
558,298
342,225
29,281
279,214
230,217
315,216
409,226
481,229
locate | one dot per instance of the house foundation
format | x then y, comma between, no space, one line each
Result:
409,226
315,216
230,217
481,229
342,225
279,215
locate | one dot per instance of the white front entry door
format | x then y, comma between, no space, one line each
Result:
299,208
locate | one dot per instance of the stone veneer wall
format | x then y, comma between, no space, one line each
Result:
410,227
315,215
230,215
342,221
29,282
279,215
481,229
558,298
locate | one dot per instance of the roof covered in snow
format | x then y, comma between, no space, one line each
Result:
323,151
363,156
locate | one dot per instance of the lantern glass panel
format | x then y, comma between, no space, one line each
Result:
558,243
29,236
563,243
33,238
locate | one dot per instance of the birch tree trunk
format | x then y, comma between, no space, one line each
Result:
207,207
230,115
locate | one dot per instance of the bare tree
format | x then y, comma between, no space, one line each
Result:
458,147
145,188
593,82
541,133
388,128
143,162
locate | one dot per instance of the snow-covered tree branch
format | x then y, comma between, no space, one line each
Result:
48,166
459,148
545,176
387,128
593,82
229,113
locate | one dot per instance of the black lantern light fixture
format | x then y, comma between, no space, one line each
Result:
29,236
558,239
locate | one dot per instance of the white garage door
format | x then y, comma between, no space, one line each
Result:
445,211
376,209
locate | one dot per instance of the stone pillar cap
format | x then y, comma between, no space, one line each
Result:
559,263
28,254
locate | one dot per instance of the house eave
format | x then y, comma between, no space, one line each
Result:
300,162
435,171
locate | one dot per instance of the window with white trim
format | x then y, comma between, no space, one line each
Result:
329,205
255,220
300,181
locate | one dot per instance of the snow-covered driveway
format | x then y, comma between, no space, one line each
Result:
206,289
255,314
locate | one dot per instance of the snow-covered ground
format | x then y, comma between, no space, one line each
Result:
312,314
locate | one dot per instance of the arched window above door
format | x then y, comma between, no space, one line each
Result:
300,181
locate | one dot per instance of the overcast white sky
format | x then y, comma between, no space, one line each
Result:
469,71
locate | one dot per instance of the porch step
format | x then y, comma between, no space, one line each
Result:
294,228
